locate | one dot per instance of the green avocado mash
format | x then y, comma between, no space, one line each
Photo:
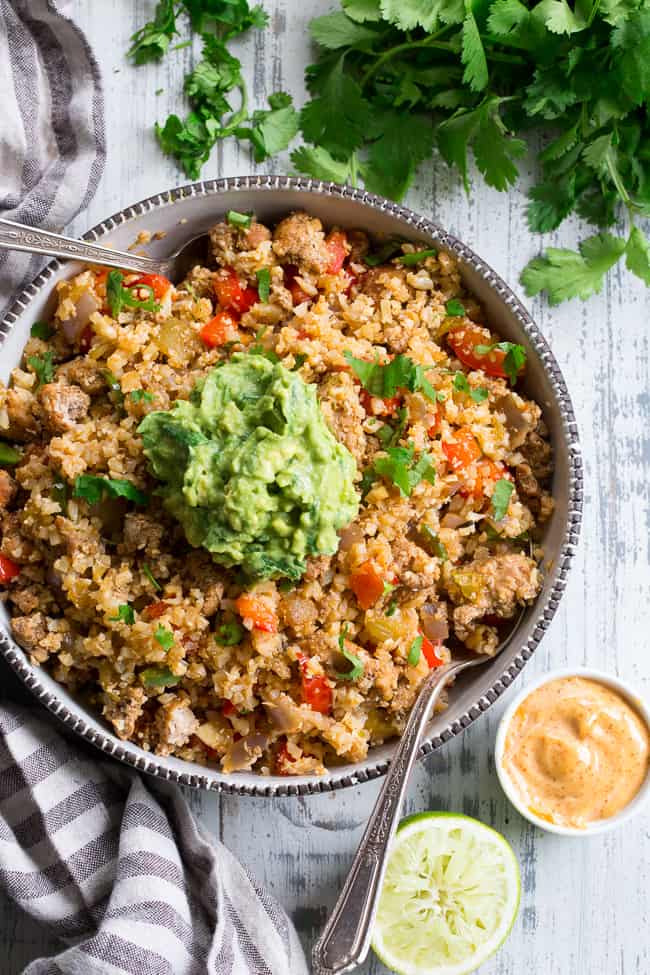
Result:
250,469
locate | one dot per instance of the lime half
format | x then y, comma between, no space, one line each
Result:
450,896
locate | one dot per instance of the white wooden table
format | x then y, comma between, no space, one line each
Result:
585,904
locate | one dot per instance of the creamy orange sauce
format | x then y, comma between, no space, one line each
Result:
577,751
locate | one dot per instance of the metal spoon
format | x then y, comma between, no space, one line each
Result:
20,237
345,941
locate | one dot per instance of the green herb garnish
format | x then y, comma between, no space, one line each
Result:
150,576
236,219
43,367
455,308
388,435
125,614
399,467
390,249
92,489
41,330
501,498
115,395
356,664
514,361
437,546
263,283
383,381
139,395
415,258
415,651
300,360
117,296
9,456
478,393
229,634
164,637
391,608
61,493
158,677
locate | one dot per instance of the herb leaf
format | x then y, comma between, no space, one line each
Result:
158,677
41,330
415,258
138,395
564,274
229,634
150,576
117,296
399,468
9,456
455,308
43,367
236,219
415,651
164,637
125,614
478,393
93,489
383,381
151,41
501,498
263,283
356,664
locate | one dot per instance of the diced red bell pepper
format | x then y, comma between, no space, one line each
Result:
283,759
429,651
155,610
388,406
8,570
297,294
158,284
367,584
464,449
464,341
258,611
231,294
336,243
316,691
219,329
228,708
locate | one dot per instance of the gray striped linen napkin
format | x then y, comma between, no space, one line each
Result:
121,872
52,146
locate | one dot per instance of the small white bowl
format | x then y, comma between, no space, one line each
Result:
510,788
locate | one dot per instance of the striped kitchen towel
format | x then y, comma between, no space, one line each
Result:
120,871
52,146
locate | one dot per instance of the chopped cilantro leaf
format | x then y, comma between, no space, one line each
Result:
501,498
436,545
125,614
415,651
43,367
150,42
564,274
455,308
93,489
263,283
300,360
138,395
236,219
399,468
390,249
409,259
164,637
41,330
391,609
388,435
113,383
117,296
383,381
478,393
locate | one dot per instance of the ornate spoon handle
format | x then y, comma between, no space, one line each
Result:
345,940
20,237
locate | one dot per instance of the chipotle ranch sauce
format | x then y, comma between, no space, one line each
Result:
576,751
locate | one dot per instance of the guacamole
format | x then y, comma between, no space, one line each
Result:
250,469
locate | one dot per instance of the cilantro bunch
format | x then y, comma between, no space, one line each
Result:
397,79
214,83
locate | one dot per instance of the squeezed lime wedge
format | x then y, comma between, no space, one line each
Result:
450,896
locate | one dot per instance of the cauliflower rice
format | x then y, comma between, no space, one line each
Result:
153,634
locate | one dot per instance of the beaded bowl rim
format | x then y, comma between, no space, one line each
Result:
545,607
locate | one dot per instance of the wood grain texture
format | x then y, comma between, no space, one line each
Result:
585,904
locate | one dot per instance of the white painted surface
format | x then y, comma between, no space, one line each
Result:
585,904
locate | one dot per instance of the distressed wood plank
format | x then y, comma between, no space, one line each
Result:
585,905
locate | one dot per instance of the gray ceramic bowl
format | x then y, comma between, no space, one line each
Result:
192,209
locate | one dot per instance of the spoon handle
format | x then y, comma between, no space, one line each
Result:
20,237
345,940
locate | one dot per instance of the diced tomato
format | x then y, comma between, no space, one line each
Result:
464,341
85,339
430,653
375,406
258,611
8,570
297,294
155,610
231,294
487,472
463,451
219,329
101,274
283,759
337,247
158,284
367,584
317,693
228,708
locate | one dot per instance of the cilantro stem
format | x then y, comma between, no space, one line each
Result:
353,169
431,41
